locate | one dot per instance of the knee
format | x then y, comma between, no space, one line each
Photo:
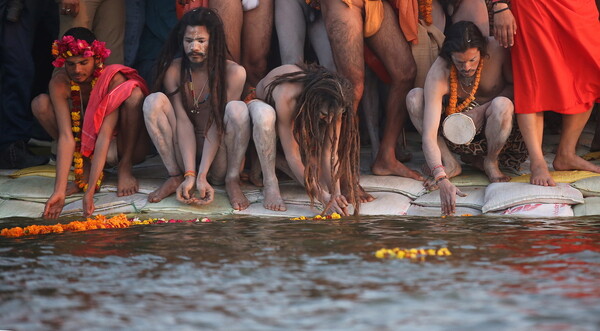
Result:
236,113
263,117
41,105
414,101
153,102
502,107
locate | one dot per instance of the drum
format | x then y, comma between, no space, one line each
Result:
459,129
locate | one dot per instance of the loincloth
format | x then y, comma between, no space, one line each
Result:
373,14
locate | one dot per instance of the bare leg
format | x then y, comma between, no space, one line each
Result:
474,11
256,40
291,30
263,120
237,136
42,109
131,148
566,156
398,60
532,128
415,103
370,106
320,42
231,13
498,125
159,117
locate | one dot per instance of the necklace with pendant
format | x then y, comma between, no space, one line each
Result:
196,99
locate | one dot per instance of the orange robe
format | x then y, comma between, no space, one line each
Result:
556,56
103,102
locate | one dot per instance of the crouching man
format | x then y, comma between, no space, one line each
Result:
87,105
468,90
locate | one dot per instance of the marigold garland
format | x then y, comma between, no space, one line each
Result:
413,253
76,122
333,216
425,9
452,108
98,222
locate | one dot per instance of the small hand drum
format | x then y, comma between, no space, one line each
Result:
459,129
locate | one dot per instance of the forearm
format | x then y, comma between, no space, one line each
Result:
209,150
187,144
64,159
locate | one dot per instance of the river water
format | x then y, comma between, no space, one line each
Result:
278,274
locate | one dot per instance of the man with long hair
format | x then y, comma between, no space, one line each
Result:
312,110
472,76
201,105
87,105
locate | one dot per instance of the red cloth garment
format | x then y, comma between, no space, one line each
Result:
556,56
103,102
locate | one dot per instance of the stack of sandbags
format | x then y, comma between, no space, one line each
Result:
523,199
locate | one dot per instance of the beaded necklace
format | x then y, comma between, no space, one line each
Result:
76,123
452,107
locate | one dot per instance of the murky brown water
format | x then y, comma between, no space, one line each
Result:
274,274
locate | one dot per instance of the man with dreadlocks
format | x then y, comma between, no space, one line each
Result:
200,105
87,105
313,112
471,79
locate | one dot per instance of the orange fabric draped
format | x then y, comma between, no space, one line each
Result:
556,56
103,102
408,18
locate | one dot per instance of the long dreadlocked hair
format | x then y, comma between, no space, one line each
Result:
324,93
216,61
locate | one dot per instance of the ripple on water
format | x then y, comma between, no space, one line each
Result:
248,274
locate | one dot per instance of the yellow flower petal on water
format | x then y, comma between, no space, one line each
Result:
443,251
431,252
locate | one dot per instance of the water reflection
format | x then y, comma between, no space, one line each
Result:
245,274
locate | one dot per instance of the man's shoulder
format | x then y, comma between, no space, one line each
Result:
235,70
59,78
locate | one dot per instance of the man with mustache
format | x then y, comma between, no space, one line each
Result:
471,76
95,113
199,122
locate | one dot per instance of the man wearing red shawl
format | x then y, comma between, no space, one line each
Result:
556,64
87,104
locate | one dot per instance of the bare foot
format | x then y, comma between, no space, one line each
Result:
236,197
126,184
72,188
540,175
395,168
273,200
167,188
489,167
493,172
573,162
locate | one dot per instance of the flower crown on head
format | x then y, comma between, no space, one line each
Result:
69,46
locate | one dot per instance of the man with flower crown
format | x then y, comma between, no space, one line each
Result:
95,113
469,87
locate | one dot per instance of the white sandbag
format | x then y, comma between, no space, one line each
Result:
416,210
109,203
293,210
474,198
591,206
407,186
219,206
31,188
20,208
500,196
385,203
538,210
589,187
